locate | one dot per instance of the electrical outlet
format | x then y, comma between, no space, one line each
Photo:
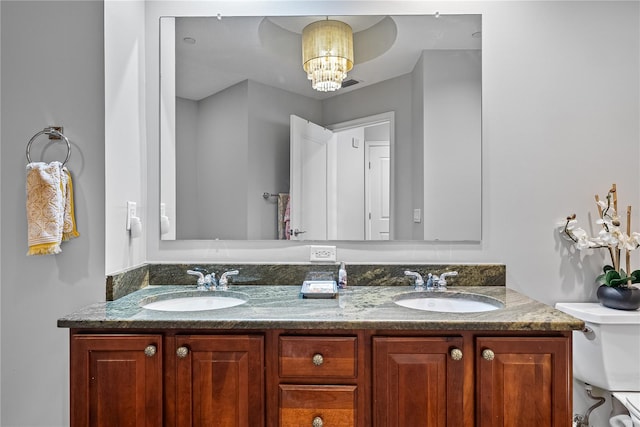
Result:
322,253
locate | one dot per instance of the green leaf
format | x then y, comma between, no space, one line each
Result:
635,276
617,282
601,279
607,268
610,276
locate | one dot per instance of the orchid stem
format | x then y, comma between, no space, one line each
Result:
627,252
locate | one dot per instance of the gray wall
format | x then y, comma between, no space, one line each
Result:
452,144
349,191
185,158
52,73
269,111
239,150
223,134
417,126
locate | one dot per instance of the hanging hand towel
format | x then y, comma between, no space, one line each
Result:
69,229
50,216
287,220
283,202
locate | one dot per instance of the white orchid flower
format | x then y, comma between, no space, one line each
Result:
582,239
609,237
624,242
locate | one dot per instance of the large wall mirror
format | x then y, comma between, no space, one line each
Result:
251,151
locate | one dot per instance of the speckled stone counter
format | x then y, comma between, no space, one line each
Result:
282,307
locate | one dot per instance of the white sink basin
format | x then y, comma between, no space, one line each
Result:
449,303
193,303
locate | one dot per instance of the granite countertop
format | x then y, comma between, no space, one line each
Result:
367,307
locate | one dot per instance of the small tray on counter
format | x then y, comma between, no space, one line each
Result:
319,289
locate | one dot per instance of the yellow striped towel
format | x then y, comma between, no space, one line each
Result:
50,209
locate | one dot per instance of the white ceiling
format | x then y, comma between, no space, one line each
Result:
232,49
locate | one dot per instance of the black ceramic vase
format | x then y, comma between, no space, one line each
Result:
627,298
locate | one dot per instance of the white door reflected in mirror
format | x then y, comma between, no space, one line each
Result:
340,190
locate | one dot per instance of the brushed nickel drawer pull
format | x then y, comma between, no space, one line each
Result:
150,351
317,422
488,355
182,352
318,360
456,354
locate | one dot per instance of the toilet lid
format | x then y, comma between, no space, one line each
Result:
596,313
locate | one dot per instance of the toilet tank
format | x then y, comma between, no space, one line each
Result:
607,353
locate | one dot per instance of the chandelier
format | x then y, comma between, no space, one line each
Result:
327,53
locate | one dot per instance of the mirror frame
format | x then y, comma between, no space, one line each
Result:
165,131
259,250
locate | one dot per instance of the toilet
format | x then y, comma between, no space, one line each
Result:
606,354
632,402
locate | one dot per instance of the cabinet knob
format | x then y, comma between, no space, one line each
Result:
317,422
150,350
182,352
456,354
318,360
488,354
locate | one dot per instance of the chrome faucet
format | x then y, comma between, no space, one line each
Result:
418,284
205,280
440,283
223,284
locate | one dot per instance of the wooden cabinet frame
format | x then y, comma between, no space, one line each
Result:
545,355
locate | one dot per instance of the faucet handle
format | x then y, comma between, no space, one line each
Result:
419,282
200,273
223,283
442,281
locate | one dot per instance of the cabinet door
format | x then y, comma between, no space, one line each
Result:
417,382
219,381
116,380
524,382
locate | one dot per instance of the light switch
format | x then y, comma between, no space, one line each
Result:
131,213
417,215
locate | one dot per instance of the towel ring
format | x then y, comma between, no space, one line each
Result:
54,132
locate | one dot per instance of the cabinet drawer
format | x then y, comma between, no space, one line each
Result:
327,357
328,405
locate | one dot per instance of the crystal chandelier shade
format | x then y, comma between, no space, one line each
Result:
327,53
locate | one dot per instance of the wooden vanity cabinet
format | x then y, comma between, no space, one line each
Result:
123,380
523,381
215,380
487,381
318,378
418,381
116,380
340,378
